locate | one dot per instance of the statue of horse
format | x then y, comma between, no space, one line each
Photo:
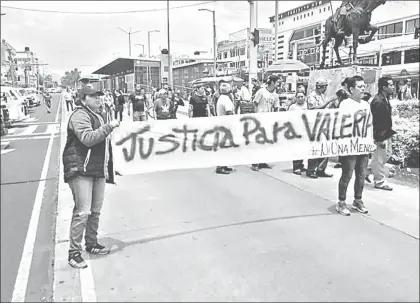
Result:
357,23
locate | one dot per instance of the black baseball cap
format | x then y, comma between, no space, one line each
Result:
88,91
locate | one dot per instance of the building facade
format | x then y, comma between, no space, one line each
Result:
8,63
188,70
233,54
394,40
125,73
26,68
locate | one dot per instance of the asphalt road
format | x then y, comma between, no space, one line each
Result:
192,235
22,161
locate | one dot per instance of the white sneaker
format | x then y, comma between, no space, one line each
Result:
342,209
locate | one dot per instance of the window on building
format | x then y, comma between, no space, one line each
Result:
320,11
411,56
392,58
312,13
410,25
328,7
242,51
280,47
386,31
225,55
293,18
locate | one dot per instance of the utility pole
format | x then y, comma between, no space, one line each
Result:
214,39
148,39
142,45
129,33
169,48
252,47
276,30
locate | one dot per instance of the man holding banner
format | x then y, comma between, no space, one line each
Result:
316,100
263,101
357,163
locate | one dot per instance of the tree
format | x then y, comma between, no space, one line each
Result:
70,78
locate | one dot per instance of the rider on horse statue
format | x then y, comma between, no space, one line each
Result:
345,7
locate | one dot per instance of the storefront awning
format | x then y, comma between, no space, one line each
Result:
119,65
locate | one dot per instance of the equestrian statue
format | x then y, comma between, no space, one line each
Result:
351,18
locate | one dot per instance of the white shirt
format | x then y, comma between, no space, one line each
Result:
296,106
264,100
224,104
66,96
244,94
352,105
315,100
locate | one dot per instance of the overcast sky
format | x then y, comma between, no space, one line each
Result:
66,41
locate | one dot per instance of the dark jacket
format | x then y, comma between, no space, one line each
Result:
84,153
382,118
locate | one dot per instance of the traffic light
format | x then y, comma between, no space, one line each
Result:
317,35
255,37
416,32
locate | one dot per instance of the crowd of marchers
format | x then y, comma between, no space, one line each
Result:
87,156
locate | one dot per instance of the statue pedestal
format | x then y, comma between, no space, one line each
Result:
335,76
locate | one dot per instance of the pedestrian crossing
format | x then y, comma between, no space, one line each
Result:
31,131
4,147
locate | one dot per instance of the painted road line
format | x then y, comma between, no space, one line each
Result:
29,130
4,144
21,283
41,137
33,123
52,129
69,284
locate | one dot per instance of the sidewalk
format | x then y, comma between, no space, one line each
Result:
398,209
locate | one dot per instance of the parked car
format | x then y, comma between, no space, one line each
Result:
31,96
15,103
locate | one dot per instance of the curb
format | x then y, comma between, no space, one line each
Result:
66,281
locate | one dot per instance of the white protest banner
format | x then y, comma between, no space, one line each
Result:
141,147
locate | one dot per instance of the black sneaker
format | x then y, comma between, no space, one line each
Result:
323,174
255,167
229,169
359,206
312,175
98,250
76,261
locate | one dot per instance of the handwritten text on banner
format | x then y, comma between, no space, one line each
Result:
141,147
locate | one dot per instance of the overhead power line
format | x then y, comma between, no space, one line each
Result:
103,13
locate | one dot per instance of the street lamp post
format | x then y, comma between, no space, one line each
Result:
214,38
129,38
169,46
142,45
148,38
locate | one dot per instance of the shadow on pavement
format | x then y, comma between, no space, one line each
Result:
117,245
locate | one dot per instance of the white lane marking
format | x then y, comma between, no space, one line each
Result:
11,131
31,137
21,283
4,144
51,129
87,283
29,130
32,119
6,151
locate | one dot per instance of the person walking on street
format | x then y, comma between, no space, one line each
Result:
47,100
163,106
316,100
263,102
199,104
300,104
382,132
138,101
67,97
176,101
353,163
86,159
225,107
119,104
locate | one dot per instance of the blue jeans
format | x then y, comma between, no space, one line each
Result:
88,195
349,164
